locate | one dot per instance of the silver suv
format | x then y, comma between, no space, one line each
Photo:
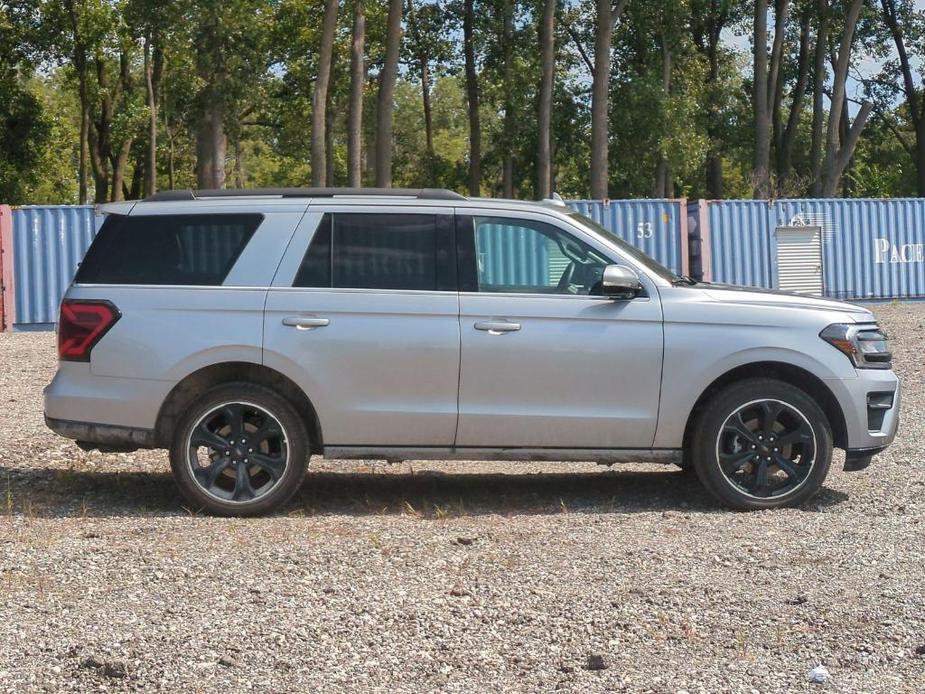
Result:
248,330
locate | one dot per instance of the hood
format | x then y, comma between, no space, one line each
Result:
769,297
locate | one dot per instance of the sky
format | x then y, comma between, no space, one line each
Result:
866,65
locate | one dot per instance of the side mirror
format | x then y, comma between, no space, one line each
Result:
620,282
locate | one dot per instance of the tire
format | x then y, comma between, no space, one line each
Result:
749,464
218,469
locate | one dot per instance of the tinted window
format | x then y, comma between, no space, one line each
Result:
514,255
167,249
375,251
315,270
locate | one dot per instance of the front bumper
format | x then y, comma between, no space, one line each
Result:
870,404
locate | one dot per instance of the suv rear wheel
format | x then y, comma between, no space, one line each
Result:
240,450
762,443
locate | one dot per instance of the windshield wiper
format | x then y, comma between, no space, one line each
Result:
679,279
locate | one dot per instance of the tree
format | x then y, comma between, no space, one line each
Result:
838,150
607,15
784,134
428,51
544,104
905,24
761,185
357,85
708,20
387,79
472,99
320,96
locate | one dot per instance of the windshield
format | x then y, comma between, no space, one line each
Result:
637,255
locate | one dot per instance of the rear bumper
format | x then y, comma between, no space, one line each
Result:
76,394
105,437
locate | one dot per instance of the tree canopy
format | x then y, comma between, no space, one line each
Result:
107,100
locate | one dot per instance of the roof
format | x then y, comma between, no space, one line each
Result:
419,193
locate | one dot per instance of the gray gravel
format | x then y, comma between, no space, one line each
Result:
454,577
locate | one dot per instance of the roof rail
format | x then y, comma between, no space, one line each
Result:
417,193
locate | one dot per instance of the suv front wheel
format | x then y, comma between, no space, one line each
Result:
239,450
762,443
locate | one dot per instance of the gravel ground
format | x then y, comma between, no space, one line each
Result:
454,577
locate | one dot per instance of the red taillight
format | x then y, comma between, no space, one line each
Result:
81,325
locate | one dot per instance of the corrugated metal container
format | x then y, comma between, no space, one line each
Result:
657,227
871,248
48,243
739,240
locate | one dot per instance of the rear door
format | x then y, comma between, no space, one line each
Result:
546,362
363,315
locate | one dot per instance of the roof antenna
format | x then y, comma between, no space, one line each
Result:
556,199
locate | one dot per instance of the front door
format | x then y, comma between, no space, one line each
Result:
545,362
366,322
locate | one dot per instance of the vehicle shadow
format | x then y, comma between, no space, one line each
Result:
57,493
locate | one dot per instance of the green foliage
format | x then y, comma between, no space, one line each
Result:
258,60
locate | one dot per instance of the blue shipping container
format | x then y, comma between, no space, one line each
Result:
871,249
48,244
656,227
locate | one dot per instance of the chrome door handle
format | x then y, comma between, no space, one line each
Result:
496,327
306,322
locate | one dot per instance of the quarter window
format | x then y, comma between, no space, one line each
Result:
526,256
377,251
192,249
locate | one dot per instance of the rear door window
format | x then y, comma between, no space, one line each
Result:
189,249
380,251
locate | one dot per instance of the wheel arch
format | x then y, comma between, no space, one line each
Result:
796,376
195,383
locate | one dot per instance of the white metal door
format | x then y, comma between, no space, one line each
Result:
799,259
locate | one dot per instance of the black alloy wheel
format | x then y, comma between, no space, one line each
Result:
766,448
761,443
240,449
238,452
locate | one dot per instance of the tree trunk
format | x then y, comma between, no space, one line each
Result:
507,46
819,79
150,174
329,124
320,94
81,67
708,19
600,101
84,144
784,143
239,175
204,155
387,96
472,97
761,184
776,78
357,84
119,163
662,173
838,154
423,60
911,93
544,109
211,139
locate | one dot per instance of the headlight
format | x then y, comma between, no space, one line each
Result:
865,346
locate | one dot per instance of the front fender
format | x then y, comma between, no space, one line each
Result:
687,377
